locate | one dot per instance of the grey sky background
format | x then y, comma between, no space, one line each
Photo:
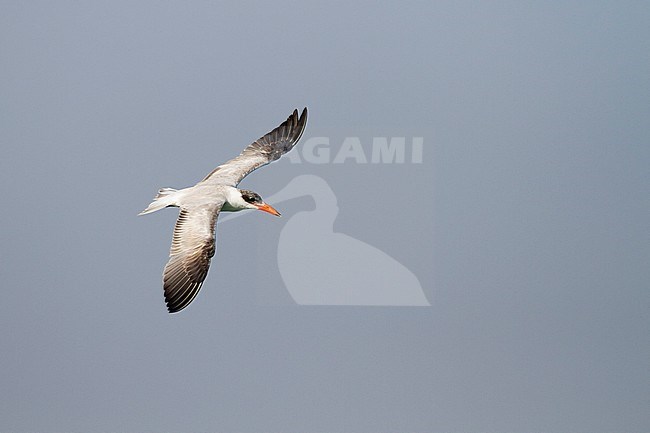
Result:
526,222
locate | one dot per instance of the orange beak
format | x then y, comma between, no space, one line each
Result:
267,208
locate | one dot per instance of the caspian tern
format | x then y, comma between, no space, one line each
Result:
193,242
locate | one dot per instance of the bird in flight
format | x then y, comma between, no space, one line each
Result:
193,242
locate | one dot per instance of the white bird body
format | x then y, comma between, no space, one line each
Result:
199,194
193,243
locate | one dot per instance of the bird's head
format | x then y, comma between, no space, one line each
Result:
246,199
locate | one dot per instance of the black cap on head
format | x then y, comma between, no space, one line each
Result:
250,196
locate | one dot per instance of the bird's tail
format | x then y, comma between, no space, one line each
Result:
165,197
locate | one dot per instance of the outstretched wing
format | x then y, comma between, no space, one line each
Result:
261,152
193,246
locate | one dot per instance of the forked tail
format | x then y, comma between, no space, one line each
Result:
165,197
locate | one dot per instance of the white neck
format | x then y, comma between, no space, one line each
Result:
235,202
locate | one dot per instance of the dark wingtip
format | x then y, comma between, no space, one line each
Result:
177,303
174,307
301,122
